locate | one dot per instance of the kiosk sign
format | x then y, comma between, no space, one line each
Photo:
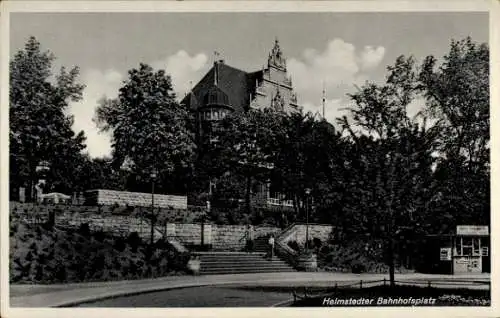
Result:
445,254
472,230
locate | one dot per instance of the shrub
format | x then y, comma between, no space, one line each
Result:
38,273
316,243
100,236
357,267
134,240
119,244
33,247
294,245
84,230
61,273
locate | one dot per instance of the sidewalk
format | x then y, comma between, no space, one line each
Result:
72,294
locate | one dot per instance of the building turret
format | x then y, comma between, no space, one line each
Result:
276,58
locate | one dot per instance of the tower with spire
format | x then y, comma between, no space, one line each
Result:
226,89
274,85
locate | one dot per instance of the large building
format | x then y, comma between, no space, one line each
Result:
225,89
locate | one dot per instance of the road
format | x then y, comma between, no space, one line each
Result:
197,297
205,290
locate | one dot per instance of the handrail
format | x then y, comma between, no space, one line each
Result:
283,250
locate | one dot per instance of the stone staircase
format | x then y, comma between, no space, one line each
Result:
261,244
240,262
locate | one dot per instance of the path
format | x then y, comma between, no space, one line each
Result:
73,294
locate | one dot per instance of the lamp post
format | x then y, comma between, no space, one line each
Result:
41,169
308,192
153,177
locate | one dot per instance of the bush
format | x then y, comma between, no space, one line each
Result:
61,273
134,240
100,236
294,245
316,243
84,230
358,267
120,244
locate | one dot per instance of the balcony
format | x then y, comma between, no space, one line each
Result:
279,202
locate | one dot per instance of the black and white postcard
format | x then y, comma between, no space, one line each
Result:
180,158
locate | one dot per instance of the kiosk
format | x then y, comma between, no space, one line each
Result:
470,252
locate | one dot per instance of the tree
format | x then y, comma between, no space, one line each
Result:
244,146
149,129
395,154
411,177
40,130
308,156
457,95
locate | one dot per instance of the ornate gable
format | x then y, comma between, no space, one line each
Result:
276,57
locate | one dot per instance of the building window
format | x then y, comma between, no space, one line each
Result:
468,246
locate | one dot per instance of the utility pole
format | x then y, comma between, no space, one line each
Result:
324,99
308,192
153,177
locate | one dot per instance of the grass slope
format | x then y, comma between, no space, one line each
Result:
39,254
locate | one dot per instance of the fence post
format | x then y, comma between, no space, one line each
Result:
429,284
385,281
361,284
336,287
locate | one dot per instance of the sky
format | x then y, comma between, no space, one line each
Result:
334,50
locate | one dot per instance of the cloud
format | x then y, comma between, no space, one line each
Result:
334,108
371,57
183,68
338,67
99,84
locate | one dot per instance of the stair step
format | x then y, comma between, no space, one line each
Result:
237,261
245,270
230,254
255,262
243,265
228,258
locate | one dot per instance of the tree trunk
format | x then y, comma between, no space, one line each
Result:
391,261
248,194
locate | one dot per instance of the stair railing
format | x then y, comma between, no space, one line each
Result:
284,251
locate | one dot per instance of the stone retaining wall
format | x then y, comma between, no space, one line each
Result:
221,237
110,197
298,233
35,210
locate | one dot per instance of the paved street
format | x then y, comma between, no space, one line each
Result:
211,296
76,294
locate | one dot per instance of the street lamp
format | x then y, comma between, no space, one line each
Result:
153,177
41,169
308,192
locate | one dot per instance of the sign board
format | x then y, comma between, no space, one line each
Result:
472,230
22,194
445,254
484,251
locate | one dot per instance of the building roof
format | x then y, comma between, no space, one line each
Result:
233,82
